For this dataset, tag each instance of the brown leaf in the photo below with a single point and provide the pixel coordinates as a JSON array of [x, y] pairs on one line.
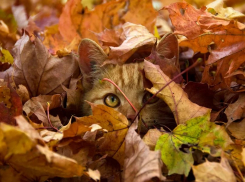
[[236, 110], [10, 104], [75, 20], [140, 163], [104, 16], [40, 72], [38, 106], [29, 155], [200, 94], [166, 55], [8, 174], [141, 12], [111, 37], [151, 137], [225, 58], [23, 93], [184, 18], [115, 124], [108, 167], [53, 39], [212, 171], [237, 129], [177, 100], [137, 38]]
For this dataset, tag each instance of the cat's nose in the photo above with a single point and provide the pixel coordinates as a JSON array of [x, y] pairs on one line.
[[131, 117]]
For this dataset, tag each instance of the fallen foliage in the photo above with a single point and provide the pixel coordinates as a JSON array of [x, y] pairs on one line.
[[195, 64]]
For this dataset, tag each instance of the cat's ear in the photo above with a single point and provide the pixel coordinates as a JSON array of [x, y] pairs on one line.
[[90, 54]]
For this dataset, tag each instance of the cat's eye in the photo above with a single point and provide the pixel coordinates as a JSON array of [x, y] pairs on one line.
[[111, 100], [147, 96]]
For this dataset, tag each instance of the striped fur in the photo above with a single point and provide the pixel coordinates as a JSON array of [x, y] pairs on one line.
[[130, 79]]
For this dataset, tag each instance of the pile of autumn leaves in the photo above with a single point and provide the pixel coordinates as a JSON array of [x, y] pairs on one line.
[[102, 144]]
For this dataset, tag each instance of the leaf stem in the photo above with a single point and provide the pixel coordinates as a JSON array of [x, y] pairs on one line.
[[113, 83], [48, 105]]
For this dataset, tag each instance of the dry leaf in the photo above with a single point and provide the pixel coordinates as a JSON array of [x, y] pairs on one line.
[[221, 12], [237, 129], [141, 12], [184, 18], [236, 110], [94, 174], [213, 171], [137, 38], [151, 137], [112, 121], [31, 156], [40, 72], [140, 163], [38, 106], [177, 100], [10, 104], [166, 55]]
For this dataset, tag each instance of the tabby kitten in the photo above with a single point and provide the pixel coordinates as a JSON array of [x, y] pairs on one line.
[[129, 78]]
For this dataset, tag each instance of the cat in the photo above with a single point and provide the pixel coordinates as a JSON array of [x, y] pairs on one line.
[[129, 78]]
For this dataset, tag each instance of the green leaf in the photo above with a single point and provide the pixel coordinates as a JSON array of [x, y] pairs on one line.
[[7, 57], [214, 140], [197, 133]]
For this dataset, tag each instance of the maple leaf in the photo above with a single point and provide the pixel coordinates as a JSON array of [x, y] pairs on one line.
[[141, 12], [137, 155], [40, 72], [75, 19], [184, 18], [53, 39], [221, 37], [196, 133], [115, 124]]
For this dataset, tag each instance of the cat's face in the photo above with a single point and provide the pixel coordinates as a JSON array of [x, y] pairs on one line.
[[129, 79]]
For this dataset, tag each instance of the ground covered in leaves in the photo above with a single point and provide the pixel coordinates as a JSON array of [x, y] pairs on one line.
[[198, 70]]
